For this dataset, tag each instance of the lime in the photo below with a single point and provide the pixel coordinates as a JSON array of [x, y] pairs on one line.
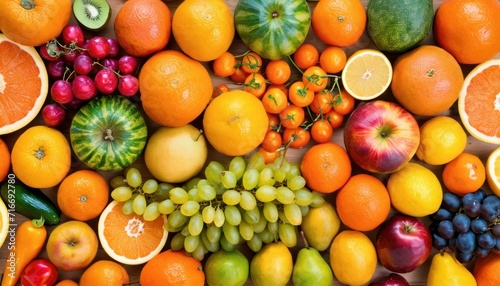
[[226, 268]]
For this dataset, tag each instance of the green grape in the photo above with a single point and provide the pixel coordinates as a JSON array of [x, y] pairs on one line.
[[162, 192], [185, 230], [195, 225], [304, 210], [233, 215], [317, 200], [219, 218], [251, 216], [295, 183], [282, 216], [266, 236], [279, 175], [237, 165], [219, 189], [213, 171], [172, 229], [118, 181], [177, 242], [248, 201], [150, 186], [199, 252], [213, 233], [246, 230], [176, 219], [193, 195], [228, 179], [226, 245], [178, 195], [260, 225], [256, 161], [121, 194], [250, 179], [270, 211], [287, 234], [283, 163], [127, 207], [134, 177], [190, 208], [208, 214], [202, 182], [231, 197], [191, 183], [255, 243], [152, 212], [139, 204], [191, 242], [284, 195], [303, 197], [166, 206], [272, 227], [293, 172], [266, 177], [210, 246], [231, 233], [293, 214], [206, 192], [266, 193]]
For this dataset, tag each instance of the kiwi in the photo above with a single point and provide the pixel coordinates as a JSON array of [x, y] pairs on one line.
[[92, 15]]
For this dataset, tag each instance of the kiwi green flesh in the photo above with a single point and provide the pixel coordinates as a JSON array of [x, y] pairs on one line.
[[92, 15]]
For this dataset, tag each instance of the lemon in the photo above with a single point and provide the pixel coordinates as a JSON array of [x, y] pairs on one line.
[[446, 270], [353, 257], [493, 171], [320, 225], [4, 222], [442, 139], [415, 190], [272, 265]]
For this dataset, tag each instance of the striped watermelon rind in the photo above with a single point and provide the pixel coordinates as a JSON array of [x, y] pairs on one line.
[[89, 133]]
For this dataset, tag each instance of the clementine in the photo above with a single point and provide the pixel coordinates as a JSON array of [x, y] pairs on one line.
[[66, 282], [104, 272], [464, 174], [4, 160], [487, 270]]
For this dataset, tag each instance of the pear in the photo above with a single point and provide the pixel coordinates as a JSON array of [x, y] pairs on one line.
[[446, 270], [272, 265], [320, 225]]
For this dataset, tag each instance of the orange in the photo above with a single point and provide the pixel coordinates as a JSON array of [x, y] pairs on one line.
[[487, 270], [4, 160], [83, 195], [468, 29], [426, 80], [175, 89], [172, 268], [129, 239], [363, 203], [143, 27], [332, 59], [235, 123], [464, 174], [339, 22], [41, 157], [24, 84], [104, 272], [203, 29], [479, 103], [326, 167], [67, 282], [33, 23]]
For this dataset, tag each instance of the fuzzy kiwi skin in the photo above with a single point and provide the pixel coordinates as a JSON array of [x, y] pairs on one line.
[[83, 24]]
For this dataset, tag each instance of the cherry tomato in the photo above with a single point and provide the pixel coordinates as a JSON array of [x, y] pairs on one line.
[[296, 137], [224, 65], [274, 121], [255, 83], [306, 56], [251, 62], [274, 100], [220, 89], [281, 86], [321, 131], [269, 157], [343, 102], [239, 75], [272, 141], [292, 116], [299, 95], [278, 71], [336, 119], [315, 78], [322, 102], [332, 59]]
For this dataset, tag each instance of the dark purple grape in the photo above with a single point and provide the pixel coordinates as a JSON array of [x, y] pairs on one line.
[[497, 245], [490, 209], [83, 87], [471, 203], [466, 242], [443, 214], [464, 257], [461, 222], [56, 69], [439, 242], [83, 64], [481, 194], [445, 229], [486, 240], [452, 244], [480, 252], [61, 91], [495, 230], [451, 202], [106, 81], [478, 225]]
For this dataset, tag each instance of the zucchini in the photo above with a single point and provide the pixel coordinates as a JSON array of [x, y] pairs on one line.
[[29, 202]]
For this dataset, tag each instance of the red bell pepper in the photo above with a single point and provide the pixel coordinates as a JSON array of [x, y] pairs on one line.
[[39, 272]]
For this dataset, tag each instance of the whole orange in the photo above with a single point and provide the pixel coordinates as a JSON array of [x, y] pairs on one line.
[[4, 160], [66, 282], [326, 167], [104, 272], [363, 203], [487, 270], [171, 268], [83, 195], [426, 80], [235, 123], [175, 89], [464, 174], [468, 29], [143, 27], [339, 22]]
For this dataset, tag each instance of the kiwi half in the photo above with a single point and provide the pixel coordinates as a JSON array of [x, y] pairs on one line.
[[92, 15]]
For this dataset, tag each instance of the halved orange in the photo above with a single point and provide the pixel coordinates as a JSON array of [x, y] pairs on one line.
[[129, 239], [24, 85], [493, 171], [479, 102]]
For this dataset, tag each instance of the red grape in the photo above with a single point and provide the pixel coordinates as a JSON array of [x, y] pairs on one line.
[[72, 34], [50, 51], [114, 47], [106, 81], [56, 69], [53, 114], [98, 47], [83, 64], [61, 91], [111, 64], [83, 87], [128, 64], [128, 85]]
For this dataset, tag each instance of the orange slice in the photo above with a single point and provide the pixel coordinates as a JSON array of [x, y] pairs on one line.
[[479, 102], [4, 222], [493, 171], [24, 85], [367, 74], [129, 239]]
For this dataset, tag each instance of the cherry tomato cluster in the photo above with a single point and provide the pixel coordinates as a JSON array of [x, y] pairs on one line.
[[309, 105]]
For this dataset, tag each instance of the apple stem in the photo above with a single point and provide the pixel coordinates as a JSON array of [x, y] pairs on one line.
[[109, 135]]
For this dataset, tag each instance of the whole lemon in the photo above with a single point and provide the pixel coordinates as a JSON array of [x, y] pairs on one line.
[[353, 257], [272, 265], [320, 225], [442, 139], [415, 190]]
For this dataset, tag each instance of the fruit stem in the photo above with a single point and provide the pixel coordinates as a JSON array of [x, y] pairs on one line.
[[39, 154], [304, 238], [295, 65], [28, 4], [38, 222]]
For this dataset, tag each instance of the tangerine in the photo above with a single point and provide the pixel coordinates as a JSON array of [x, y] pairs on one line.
[[487, 270], [104, 272], [4, 160], [464, 174]]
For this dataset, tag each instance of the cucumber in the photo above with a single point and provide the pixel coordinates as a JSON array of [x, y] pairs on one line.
[[29, 202]]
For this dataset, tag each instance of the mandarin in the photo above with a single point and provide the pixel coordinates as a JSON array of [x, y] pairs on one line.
[[104, 272], [464, 174], [487, 270], [4, 160]]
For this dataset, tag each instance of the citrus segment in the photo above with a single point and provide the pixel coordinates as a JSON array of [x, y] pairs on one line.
[[367, 74], [493, 171], [129, 239], [479, 102], [24, 85]]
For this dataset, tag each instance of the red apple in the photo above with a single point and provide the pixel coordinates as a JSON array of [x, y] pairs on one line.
[[392, 279], [403, 243], [381, 136]]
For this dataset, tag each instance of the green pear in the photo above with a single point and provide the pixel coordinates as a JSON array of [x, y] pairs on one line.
[[311, 269], [446, 270]]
